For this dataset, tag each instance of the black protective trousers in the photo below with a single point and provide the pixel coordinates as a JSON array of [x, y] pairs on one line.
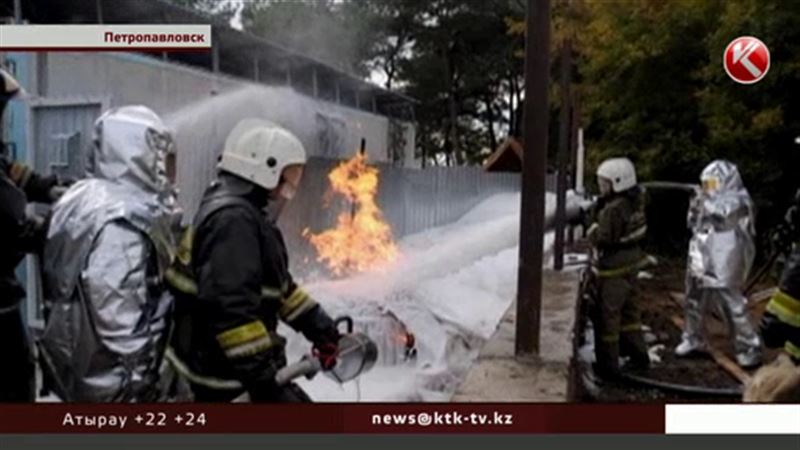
[[291, 393], [617, 325], [17, 376]]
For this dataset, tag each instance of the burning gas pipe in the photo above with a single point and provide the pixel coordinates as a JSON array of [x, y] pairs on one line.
[[361, 239], [404, 339], [361, 151]]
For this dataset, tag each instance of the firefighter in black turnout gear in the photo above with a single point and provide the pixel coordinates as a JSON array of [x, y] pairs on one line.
[[779, 381], [231, 276], [780, 325], [616, 236], [21, 233]]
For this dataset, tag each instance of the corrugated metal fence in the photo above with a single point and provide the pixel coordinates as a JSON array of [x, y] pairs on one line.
[[412, 200]]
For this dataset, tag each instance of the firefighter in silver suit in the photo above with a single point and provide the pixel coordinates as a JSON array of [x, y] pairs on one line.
[[109, 244], [721, 253]]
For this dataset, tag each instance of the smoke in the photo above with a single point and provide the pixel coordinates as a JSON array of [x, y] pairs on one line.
[[338, 33], [201, 128]]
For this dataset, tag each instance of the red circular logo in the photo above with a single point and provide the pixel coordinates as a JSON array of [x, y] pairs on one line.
[[746, 60]]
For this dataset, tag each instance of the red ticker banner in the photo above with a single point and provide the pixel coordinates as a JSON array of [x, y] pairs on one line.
[[332, 418]]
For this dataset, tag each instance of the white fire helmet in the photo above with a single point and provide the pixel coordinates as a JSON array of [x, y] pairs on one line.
[[260, 151], [620, 172]]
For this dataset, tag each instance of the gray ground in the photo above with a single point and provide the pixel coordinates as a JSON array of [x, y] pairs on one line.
[[498, 376]]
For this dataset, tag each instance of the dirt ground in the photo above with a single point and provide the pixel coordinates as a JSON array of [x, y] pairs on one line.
[[660, 300], [499, 376]]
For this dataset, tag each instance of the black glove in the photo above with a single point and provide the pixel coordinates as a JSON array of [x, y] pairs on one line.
[[60, 185], [34, 233], [56, 192], [66, 180], [773, 331], [585, 208], [581, 218], [318, 327], [259, 373]]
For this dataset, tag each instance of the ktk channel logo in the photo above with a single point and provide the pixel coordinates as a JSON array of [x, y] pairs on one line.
[[746, 60]]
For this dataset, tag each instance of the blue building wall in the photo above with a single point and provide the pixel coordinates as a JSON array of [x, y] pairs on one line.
[[19, 64]]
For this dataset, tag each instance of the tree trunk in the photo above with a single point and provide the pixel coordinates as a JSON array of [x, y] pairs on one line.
[[518, 116], [451, 108], [391, 63], [448, 150], [454, 147], [512, 96], [490, 121], [389, 75]]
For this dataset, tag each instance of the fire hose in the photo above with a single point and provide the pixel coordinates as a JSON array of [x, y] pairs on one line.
[[586, 292], [306, 367], [781, 240], [688, 187], [356, 355], [682, 388]]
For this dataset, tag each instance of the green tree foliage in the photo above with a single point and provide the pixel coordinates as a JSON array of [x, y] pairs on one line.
[[462, 67], [648, 74], [655, 90], [640, 60], [756, 125]]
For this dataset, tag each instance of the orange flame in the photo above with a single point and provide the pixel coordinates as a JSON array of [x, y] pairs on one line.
[[361, 240]]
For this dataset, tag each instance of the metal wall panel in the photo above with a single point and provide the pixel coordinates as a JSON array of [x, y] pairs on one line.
[[412, 200], [61, 135], [179, 93]]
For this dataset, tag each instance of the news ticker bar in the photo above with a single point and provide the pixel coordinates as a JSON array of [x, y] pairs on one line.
[[401, 418], [104, 37]]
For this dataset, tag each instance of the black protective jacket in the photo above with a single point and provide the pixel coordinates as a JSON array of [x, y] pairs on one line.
[[780, 325], [620, 226], [232, 288], [20, 234]]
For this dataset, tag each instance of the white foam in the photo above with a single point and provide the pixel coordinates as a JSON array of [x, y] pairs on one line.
[[451, 288]]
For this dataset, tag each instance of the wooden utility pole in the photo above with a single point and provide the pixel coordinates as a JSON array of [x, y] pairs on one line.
[[564, 145], [18, 12], [534, 161]]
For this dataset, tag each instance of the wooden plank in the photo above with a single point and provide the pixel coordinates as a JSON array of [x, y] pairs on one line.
[[761, 296], [720, 358], [713, 309]]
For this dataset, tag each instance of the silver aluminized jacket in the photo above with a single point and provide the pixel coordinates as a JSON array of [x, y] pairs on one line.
[[108, 245], [721, 253], [721, 249]]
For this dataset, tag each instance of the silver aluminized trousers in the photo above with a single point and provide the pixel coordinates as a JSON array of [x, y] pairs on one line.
[[732, 303]]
